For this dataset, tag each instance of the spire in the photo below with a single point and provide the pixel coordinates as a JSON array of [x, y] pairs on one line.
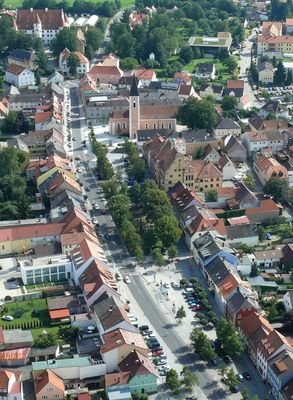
[[133, 88]]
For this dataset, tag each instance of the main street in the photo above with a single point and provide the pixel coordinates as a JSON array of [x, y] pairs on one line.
[[210, 388]]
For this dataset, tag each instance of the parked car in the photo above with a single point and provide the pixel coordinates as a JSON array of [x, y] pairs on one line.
[[240, 377], [247, 375], [127, 279], [156, 353], [175, 285], [213, 362], [7, 318], [234, 389], [227, 359], [14, 286], [11, 279], [268, 236]]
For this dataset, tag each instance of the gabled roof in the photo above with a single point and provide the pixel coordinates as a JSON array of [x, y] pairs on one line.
[[117, 378], [120, 337], [231, 141], [282, 364], [227, 123], [48, 378], [5, 376], [205, 68], [31, 231], [274, 106], [205, 220], [110, 313], [181, 197], [21, 55], [204, 169], [242, 231], [15, 69], [50, 19], [254, 327], [143, 73], [271, 343], [218, 270], [235, 84], [137, 364], [240, 300]]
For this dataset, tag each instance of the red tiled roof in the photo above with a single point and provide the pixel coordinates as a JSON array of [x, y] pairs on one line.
[[30, 231], [116, 379], [235, 84], [50, 19], [16, 354], [119, 337], [15, 69], [48, 377], [58, 314], [144, 73], [43, 116]]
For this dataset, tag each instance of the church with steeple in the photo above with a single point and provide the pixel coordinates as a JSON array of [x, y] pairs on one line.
[[142, 117]]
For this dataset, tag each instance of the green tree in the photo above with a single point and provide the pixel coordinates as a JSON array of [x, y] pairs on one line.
[[45, 340], [167, 230], [44, 67], [186, 54], [173, 381], [66, 38], [229, 338], [253, 72], [280, 74], [172, 251], [229, 103], [136, 169], [135, 193], [128, 64], [231, 64], [110, 188], [289, 78], [181, 313], [202, 345], [261, 234], [73, 63], [250, 182], [9, 211], [10, 163], [155, 204], [119, 206], [232, 379], [277, 187], [93, 37], [245, 394], [189, 379], [157, 256], [131, 239], [199, 153], [197, 114], [211, 195]]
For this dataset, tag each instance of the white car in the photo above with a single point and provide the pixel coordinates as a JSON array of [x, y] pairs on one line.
[[7, 318], [95, 221], [96, 206], [167, 285], [127, 279], [79, 170], [163, 368], [14, 286]]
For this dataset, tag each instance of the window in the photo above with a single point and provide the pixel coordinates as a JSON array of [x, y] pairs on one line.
[[134, 104]]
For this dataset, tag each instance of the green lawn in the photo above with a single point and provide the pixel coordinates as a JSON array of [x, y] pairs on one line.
[[51, 329], [45, 285], [18, 3], [27, 320], [221, 70]]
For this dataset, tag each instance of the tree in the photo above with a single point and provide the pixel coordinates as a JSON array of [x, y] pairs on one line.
[[229, 103], [43, 63], [189, 379], [68, 333], [128, 63], [280, 74], [261, 234], [253, 72], [167, 230], [250, 182], [181, 313], [172, 251], [232, 379], [211, 195], [173, 381], [110, 188], [186, 54], [245, 394], [66, 38], [73, 63], [277, 187], [229, 339], [197, 114], [131, 239], [135, 193], [231, 64], [199, 153], [93, 37], [202, 345], [155, 204], [119, 206], [46, 339], [289, 78], [136, 169], [157, 256]]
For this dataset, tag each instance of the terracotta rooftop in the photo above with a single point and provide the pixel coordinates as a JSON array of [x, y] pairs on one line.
[[120, 337], [116, 379], [43, 116], [46, 378], [137, 364], [144, 73], [50, 19], [59, 314], [15, 69], [235, 84], [30, 231]]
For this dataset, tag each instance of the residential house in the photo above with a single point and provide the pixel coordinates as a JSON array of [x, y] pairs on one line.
[[252, 329], [182, 198], [287, 260], [280, 371], [274, 108], [182, 77], [105, 74], [206, 71], [211, 154], [266, 73], [274, 45], [257, 123], [215, 91], [118, 344], [11, 384], [288, 300], [73, 303], [225, 127], [15, 338], [62, 181], [223, 279], [80, 41], [267, 210], [238, 235], [190, 141], [268, 167], [227, 168], [38, 167], [3, 110], [208, 246], [272, 28], [240, 305], [243, 199], [203, 176], [268, 258], [269, 346], [110, 315], [28, 102], [44, 24], [234, 149], [83, 63], [38, 143], [186, 91], [24, 58], [234, 87], [197, 220], [211, 45], [14, 358], [19, 76], [145, 76], [137, 374], [270, 139], [49, 386]]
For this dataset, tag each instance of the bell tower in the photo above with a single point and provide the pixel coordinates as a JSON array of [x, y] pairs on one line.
[[134, 110]]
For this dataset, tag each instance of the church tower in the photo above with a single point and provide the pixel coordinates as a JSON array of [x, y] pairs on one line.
[[134, 110]]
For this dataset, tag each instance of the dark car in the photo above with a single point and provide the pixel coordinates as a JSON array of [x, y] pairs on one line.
[[18, 314], [213, 362], [228, 359], [234, 389], [11, 279], [154, 345], [144, 328], [247, 375]]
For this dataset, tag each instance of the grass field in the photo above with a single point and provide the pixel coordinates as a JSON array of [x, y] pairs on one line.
[[18, 3], [45, 285], [27, 318], [221, 70]]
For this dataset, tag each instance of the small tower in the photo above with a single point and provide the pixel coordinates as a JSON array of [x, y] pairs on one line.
[[134, 110], [37, 26]]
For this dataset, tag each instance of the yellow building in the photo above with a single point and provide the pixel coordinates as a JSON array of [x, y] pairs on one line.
[[266, 73], [274, 44]]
